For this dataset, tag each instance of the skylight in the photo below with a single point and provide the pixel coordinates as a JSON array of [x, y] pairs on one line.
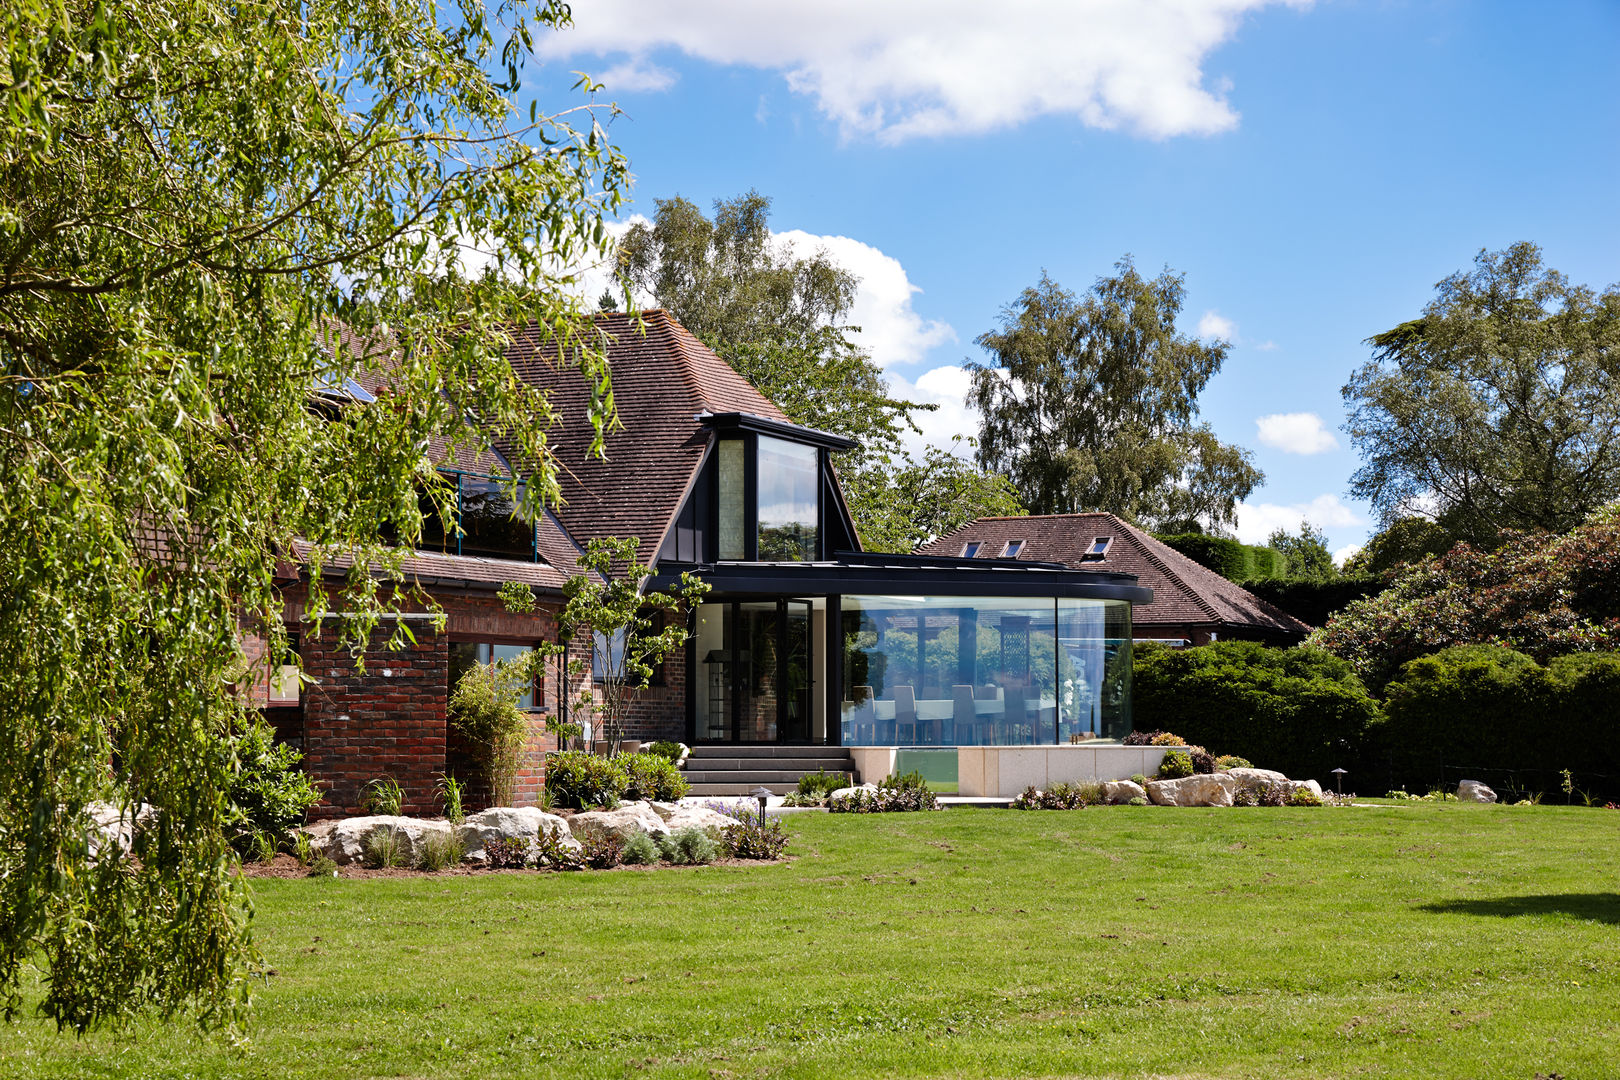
[[971, 549], [1099, 546], [1012, 549]]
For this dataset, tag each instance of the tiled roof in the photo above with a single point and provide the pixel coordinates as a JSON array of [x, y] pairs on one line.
[[1184, 592], [430, 566], [661, 380]]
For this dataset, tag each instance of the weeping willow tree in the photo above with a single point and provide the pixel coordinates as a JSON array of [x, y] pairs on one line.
[[218, 223]]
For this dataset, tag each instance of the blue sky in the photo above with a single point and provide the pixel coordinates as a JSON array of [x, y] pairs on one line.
[[1312, 168]]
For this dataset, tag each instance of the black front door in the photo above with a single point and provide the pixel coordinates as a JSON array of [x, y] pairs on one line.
[[763, 676]]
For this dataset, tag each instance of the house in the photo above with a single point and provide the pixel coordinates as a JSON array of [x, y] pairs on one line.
[[804, 639], [1192, 604]]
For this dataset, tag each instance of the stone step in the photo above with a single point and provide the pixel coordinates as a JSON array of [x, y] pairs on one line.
[[750, 776], [731, 764], [731, 790], [735, 751]]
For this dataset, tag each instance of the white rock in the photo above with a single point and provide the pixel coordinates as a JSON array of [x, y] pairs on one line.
[[109, 825], [626, 821], [665, 810], [1474, 791], [343, 841], [1256, 776], [698, 817], [1200, 789], [1122, 791], [509, 823], [845, 792]]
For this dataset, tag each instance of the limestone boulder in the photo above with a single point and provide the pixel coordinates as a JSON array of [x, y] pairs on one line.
[[343, 841], [113, 826], [624, 822], [699, 817], [1200, 789], [1256, 776], [509, 823], [846, 792], [1120, 792], [1474, 791]]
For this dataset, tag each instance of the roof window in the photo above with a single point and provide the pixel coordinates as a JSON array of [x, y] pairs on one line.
[[970, 549], [1098, 548], [1012, 549]]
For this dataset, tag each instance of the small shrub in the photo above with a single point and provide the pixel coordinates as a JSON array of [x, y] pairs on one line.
[[1146, 738], [652, 776], [1270, 793], [884, 801], [1203, 761], [1304, 796], [261, 847], [1176, 764], [269, 792], [1398, 794], [664, 748], [1138, 779], [793, 798], [449, 790], [303, 849], [503, 854], [322, 867], [822, 783], [439, 851], [1060, 796], [602, 851], [1228, 762], [581, 781], [911, 781], [383, 796], [640, 850], [1246, 795], [751, 840], [552, 852], [690, 847], [381, 849], [1137, 800], [1164, 738]]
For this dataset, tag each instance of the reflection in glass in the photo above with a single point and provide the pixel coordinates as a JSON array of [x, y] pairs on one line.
[[489, 523], [732, 496], [464, 654], [788, 476], [955, 671]]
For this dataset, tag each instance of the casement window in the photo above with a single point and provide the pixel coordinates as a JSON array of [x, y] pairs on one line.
[[464, 654]]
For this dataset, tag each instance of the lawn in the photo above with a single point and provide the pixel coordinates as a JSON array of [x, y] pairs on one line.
[[1428, 940]]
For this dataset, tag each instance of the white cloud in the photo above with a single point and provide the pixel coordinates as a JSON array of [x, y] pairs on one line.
[[1256, 521], [890, 329], [1296, 433], [1216, 325], [906, 68], [1342, 556], [945, 387], [637, 73]]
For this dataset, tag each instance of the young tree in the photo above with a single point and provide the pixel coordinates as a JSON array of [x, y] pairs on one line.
[[1090, 404], [632, 630], [1497, 408], [215, 220]]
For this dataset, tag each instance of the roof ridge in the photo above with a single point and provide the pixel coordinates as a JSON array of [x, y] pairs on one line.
[[666, 324]]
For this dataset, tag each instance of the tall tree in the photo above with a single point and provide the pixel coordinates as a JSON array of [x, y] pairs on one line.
[[1091, 403], [214, 217], [779, 317], [1307, 553], [910, 502], [1497, 408]]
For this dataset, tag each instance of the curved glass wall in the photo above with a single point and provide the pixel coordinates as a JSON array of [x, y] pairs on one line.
[[984, 671]]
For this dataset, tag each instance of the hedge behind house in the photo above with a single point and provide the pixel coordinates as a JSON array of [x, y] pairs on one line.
[[1313, 602], [1492, 714], [1300, 711], [1228, 558]]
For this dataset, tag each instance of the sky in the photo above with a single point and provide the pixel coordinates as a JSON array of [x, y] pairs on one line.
[[1312, 168]]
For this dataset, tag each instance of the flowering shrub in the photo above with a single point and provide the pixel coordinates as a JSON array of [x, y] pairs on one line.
[[884, 801]]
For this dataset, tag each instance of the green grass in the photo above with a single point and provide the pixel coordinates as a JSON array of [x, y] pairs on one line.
[[1430, 940]]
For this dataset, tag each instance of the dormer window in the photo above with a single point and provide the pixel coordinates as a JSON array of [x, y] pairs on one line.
[[1012, 549], [971, 549], [767, 499]]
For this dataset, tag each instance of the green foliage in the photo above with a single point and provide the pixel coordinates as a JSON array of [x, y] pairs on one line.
[[1404, 540], [550, 850], [516, 597], [484, 710], [1494, 708], [689, 847], [1060, 796], [664, 748], [449, 789], [909, 781], [751, 839], [1091, 403], [1228, 558], [579, 780], [383, 796], [652, 776], [1138, 800], [822, 783], [1495, 409], [382, 849], [167, 312], [900, 503], [439, 851], [1304, 796], [1313, 602], [1542, 595], [269, 792], [503, 854], [1175, 765], [885, 800], [1227, 762], [640, 850], [1308, 556], [322, 866], [1302, 711]]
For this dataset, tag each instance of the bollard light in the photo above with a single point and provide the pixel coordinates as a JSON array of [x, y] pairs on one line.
[[1338, 781], [762, 794]]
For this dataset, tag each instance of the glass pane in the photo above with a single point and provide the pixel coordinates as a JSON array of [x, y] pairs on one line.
[[787, 501], [796, 692], [950, 671], [756, 633], [488, 522], [732, 495], [512, 652], [714, 673]]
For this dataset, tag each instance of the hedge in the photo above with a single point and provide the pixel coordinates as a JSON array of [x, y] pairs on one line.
[[1228, 558], [1312, 602], [1300, 711]]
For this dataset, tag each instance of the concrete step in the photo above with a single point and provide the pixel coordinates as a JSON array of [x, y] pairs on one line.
[[751, 777], [736, 751], [731, 790], [735, 764]]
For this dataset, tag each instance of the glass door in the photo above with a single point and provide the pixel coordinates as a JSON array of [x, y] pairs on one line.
[[796, 672], [756, 680], [758, 717]]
